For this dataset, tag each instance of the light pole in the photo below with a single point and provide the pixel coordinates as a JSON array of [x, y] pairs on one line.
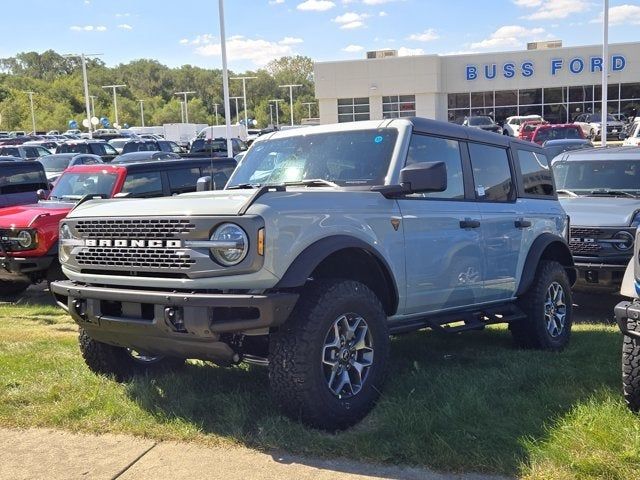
[[181, 111], [115, 101], [93, 105], [270, 113], [85, 82], [225, 77], [308, 104], [290, 87], [605, 74], [186, 108], [216, 107], [236, 99], [244, 94], [33, 113], [141, 111], [276, 101]]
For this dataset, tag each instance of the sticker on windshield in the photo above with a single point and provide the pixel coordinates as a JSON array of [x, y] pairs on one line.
[[378, 139]]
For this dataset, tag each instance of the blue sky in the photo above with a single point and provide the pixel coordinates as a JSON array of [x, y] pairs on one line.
[[177, 33]]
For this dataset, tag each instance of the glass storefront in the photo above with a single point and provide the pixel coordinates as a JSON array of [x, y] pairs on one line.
[[557, 105]]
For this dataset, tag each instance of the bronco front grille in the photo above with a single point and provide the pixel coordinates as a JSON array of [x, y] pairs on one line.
[[134, 257], [578, 248], [586, 232], [147, 228]]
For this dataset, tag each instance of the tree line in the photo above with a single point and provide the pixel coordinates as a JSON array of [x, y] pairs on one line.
[[59, 95]]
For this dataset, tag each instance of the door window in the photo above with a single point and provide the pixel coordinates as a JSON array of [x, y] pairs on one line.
[[148, 184], [183, 180], [424, 148], [109, 150], [491, 173], [536, 174]]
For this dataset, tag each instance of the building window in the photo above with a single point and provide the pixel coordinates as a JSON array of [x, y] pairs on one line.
[[353, 109], [396, 106]]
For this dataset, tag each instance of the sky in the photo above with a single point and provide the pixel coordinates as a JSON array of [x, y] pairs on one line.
[[187, 32]]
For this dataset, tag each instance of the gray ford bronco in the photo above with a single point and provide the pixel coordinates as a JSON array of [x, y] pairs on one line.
[[325, 241]]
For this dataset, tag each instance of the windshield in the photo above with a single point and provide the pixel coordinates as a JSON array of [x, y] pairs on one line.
[[74, 186], [555, 150], [592, 175], [53, 163], [545, 134], [346, 158], [480, 121]]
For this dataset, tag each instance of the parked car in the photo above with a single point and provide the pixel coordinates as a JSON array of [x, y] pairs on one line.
[[8, 158], [94, 147], [151, 145], [24, 152], [556, 147], [325, 241], [119, 143], [512, 124], [145, 156], [57, 163], [29, 233], [20, 182], [48, 144], [591, 124], [483, 123], [547, 132], [600, 190], [216, 147], [633, 138], [527, 128]]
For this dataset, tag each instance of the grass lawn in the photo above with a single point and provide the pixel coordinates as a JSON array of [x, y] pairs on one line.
[[469, 402]]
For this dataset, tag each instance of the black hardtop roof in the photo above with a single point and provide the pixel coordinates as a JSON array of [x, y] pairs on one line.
[[22, 166], [176, 163], [446, 129]]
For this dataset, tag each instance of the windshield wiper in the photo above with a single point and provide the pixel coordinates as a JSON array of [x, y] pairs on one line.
[[243, 186], [613, 193], [313, 182], [567, 192]]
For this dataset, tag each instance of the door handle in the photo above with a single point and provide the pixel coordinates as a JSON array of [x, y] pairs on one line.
[[522, 223], [469, 223]]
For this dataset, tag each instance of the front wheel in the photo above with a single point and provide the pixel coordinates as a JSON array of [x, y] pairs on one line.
[[548, 306], [327, 362], [631, 367], [122, 363]]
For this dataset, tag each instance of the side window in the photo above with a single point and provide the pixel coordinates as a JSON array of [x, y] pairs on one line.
[[183, 180], [98, 149], [42, 151], [148, 184], [31, 152], [219, 174], [424, 148], [491, 173], [175, 148], [109, 149], [536, 173]]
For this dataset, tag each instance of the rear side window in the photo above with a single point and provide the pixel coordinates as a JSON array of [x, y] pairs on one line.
[[424, 148], [536, 173], [491, 173], [21, 181], [109, 149], [183, 180], [148, 184]]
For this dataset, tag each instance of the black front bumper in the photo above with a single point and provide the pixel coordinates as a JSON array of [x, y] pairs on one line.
[[625, 311], [187, 325], [603, 272], [24, 268]]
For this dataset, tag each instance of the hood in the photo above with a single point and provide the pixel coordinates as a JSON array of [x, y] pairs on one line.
[[33, 215], [609, 124], [600, 211]]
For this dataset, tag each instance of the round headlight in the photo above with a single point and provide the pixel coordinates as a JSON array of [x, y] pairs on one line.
[[233, 244], [625, 241], [25, 239]]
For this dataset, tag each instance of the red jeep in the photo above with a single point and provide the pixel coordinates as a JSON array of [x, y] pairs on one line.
[[29, 233]]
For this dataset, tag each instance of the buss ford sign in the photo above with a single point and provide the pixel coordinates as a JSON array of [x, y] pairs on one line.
[[527, 68]]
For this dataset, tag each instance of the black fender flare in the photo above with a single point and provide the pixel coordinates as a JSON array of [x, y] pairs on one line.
[[539, 246], [303, 266]]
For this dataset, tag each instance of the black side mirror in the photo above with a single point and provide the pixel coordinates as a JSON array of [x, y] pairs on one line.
[[424, 177], [41, 194]]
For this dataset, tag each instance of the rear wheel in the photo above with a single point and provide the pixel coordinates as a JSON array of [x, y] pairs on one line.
[[121, 362], [327, 362], [631, 367]]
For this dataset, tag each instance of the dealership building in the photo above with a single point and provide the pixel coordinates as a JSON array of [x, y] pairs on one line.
[[556, 82]]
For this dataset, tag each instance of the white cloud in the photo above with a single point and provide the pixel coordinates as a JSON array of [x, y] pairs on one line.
[[88, 28], [316, 5], [353, 48], [350, 20], [554, 9], [622, 15], [382, 14], [509, 36], [407, 52], [377, 2], [101, 28], [426, 36], [125, 26], [258, 51], [276, 2], [122, 15]]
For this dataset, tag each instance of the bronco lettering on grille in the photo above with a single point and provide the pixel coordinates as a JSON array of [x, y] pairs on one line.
[[106, 242]]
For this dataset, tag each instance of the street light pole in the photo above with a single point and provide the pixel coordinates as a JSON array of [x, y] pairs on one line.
[[244, 94], [290, 87], [236, 99], [276, 101], [216, 107], [225, 77], [93, 105], [308, 104], [270, 113], [115, 100], [141, 111], [605, 74], [85, 83], [186, 111], [33, 114]]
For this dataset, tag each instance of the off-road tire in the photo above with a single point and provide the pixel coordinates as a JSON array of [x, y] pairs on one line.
[[631, 367], [12, 289], [532, 332], [118, 362], [297, 380]]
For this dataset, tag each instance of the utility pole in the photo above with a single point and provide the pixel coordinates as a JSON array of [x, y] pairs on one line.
[[225, 77], [244, 94], [141, 111], [276, 101], [186, 108], [604, 110], [216, 107], [290, 87], [85, 83], [33, 114], [270, 113], [181, 111], [308, 104], [236, 99], [93, 105], [115, 102]]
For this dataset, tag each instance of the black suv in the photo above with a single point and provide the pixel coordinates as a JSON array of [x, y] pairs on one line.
[[216, 147], [151, 146], [95, 147], [20, 181]]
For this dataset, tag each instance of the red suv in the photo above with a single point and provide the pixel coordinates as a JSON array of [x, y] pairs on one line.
[[29, 233], [527, 129], [556, 132]]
